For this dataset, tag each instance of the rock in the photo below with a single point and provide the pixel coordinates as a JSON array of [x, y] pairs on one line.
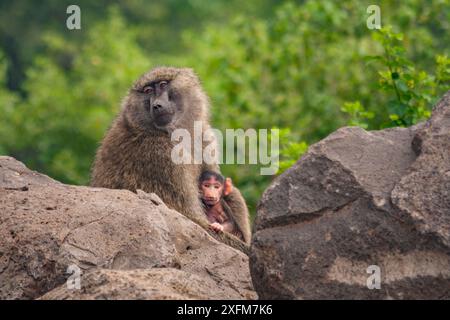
[[355, 200], [424, 193], [47, 226], [139, 284]]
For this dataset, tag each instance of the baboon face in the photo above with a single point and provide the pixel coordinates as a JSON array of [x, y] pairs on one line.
[[211, 191], [160, 107], [156, 105], [166, 98]]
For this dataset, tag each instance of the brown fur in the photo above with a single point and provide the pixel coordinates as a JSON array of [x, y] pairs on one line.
[[136, 155]]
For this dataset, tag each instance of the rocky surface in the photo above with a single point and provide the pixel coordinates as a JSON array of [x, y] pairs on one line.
[[357, 199], [127, 246], [424, 193], [139, 284]]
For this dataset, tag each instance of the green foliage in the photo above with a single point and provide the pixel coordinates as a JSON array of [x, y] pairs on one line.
[[158, 24], [358, 115], [290, 150], [412, 91], [411, 103], [8, 101], [442, 69]]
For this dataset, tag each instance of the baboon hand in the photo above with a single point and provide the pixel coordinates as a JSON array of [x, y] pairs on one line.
[[216, 227]]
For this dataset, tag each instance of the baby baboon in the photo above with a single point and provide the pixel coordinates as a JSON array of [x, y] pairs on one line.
[[213, 188], [136, 151]]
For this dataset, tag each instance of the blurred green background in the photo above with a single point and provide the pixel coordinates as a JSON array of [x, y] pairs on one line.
[[305, 67]]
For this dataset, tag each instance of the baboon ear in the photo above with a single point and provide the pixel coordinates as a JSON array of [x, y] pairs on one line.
[[228, 187]]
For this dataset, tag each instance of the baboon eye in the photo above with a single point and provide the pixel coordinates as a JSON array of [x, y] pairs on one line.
[[148, 89], [163, 84]]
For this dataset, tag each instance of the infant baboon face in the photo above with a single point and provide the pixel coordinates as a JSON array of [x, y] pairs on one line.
[[158, 103], [211, 191]]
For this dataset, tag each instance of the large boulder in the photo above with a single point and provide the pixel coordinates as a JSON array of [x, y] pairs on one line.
[[358, 205], [131, 240], [139, 284]]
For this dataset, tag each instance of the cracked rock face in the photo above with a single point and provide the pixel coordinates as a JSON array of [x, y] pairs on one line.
[[355, 200], [120, 241]]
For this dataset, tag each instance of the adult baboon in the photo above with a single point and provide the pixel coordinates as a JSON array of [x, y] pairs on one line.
[[136, 151]]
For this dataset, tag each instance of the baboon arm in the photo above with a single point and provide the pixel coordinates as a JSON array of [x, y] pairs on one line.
[[239, 212]]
